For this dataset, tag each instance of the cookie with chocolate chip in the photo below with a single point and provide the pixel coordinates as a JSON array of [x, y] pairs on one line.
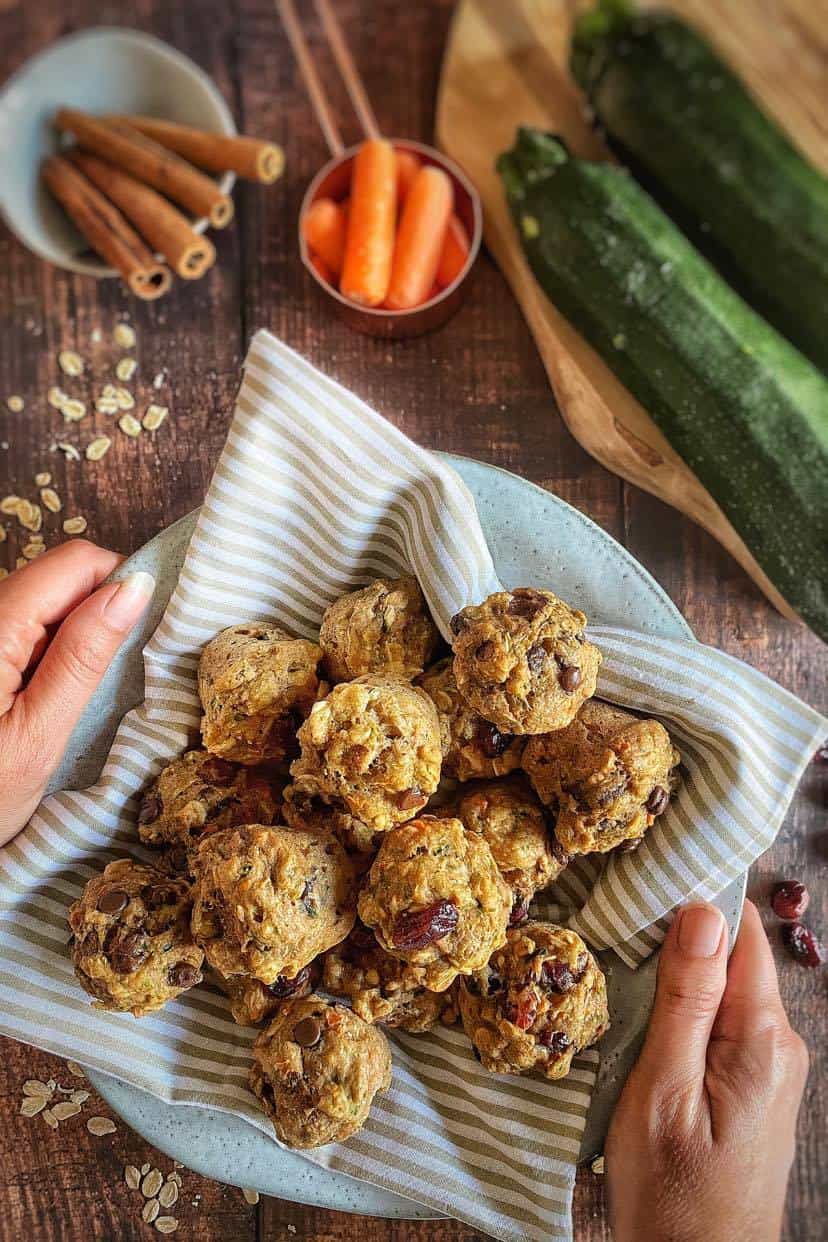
[[539, 1000], [522, 660], [383, 628], [606, 777], [473, 748], [268, 900], [257, 684], [316, 1070], [132, 948], [371, 751], [434, 898]]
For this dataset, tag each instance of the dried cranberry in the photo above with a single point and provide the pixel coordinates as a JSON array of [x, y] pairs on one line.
[[150, 808], [90, 943], [415, 929], [522, 1011], [555, 1041], [113, 901], [218, 772], [790, 900], [556, 977], [283, 986], [802, 944], [658, 801], [526, 603], [492, 742], [569, 677], [183, 975], [536, 658], [520, 911]]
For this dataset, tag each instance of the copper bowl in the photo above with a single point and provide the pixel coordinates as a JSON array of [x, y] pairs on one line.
[[333, 181]]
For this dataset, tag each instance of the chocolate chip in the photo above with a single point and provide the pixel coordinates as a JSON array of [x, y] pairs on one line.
[[658, 801], [307, 1032], [410, 799], [90, 944], [183, 975], [283, 986], [150, 808], [569, 678], [113, 901], [127, 952], [492, 742], [526, 603], [457, 623], [536, 658], [485, 651]]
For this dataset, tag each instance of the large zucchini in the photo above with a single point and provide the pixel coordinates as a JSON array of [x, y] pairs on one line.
[[694, 137], [744, 409]]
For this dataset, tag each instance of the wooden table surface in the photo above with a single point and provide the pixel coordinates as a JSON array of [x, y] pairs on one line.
[[477, 387]]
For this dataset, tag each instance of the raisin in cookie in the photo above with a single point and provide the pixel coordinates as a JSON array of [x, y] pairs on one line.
[[370, 751], [435, 898], [384, 628], [380, 988], [316, 1070], [540, 999], [253, 1002], [607, 776], [511, 819], [267, 901], [257, 685], [472, 746], [521, 660], [132, 949], [199, 793]]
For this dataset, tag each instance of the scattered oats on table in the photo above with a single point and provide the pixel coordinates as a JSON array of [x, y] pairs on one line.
[[50, 1119], [75, 525], [31, 1105], [69, 451], [98, 448], [70, 363], [125, 399], [150, 1210], [33, 550], [125, 369], [30, 516], [129, 425], [251, 1196], [154, 417], [168, 1194], [10, 504], [65, 1109], [42, 478], [50, 499], [75, 1070], [73, 410], [166, 1224], [124, 336], [57, 397], [100, 1126], [2, 534], [106, 405], [132, 1177], [15, 403], [152, 1183]]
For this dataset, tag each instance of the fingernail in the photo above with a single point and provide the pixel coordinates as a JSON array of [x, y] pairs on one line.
[[130, 600], [700, 930]]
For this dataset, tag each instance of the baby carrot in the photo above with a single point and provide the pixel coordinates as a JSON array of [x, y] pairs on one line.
[[420, 238], [408, 165], [323, 228], [372, 216], [455, 253]]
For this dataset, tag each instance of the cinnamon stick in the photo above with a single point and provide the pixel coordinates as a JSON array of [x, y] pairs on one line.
[[251, 158], [106, 229], [147, 161], [163, 225]]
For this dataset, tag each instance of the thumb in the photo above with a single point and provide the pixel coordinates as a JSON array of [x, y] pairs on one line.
[[76, 660], [692, 973]]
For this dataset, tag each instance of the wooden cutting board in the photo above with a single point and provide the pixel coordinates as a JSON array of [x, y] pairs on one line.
[[505, 66]]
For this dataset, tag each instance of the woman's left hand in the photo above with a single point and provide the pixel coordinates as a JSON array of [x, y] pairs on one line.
[[59, 630]]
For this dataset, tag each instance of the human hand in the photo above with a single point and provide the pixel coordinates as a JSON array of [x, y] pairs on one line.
[[702, 1140], [58, 635]]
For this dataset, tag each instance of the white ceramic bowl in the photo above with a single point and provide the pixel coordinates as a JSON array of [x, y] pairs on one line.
[[104, 69]]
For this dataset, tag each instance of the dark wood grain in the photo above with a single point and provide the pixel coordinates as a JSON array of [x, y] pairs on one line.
[[477, 388]]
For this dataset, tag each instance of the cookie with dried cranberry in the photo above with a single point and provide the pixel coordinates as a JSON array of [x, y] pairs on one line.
[[472, 747], [509, 816], [379, 987], [383, 628], [268, 900], [257, 684], [316, 1070], [370, 750], [541, 998], [434, 898], [522, 660], [253, 1002], [132, 948], [199, 793], [607, 776]]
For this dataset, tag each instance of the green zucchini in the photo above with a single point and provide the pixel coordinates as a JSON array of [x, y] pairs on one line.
[[744, 409], [695, 138]]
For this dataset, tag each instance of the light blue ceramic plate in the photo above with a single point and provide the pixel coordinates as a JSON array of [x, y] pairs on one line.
[[534, 538], [104, 69]]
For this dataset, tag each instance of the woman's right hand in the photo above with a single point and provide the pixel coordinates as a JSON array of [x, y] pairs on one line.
[[702, 1140]]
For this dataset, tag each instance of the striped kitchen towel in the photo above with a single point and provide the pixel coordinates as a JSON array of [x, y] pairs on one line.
[[314, 494]]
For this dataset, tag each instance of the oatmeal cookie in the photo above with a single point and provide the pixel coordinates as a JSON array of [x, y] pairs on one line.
[[511, 819], [384, 628], [521, 660], [316, 1070], [380, 988], [257, 684], [435, 898], [370, 750], [268, 900], [132, 949], [540, 999], [198, 794], [607, 776], [472, 746], [253, 1002]]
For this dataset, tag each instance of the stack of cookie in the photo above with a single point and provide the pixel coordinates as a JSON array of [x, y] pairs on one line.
[[314, 849]]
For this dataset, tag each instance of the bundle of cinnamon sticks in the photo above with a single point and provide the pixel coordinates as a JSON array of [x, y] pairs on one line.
[[128, 181]]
